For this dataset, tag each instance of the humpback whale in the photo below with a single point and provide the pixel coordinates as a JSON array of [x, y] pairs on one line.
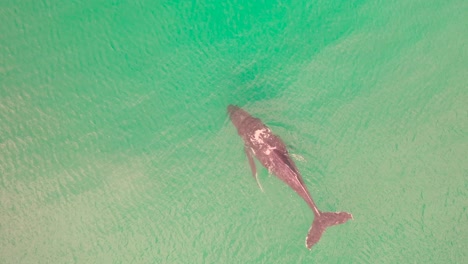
[[270, 150]]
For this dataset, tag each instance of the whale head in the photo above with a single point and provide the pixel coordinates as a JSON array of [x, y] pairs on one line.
[[237, 115]]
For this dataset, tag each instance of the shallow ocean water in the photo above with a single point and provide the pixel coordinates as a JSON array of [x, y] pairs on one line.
[[115, 145]]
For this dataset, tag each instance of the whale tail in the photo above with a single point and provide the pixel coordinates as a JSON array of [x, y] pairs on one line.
[[321, 222]]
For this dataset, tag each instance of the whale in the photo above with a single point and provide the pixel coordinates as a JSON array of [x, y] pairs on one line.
[[271, 152]]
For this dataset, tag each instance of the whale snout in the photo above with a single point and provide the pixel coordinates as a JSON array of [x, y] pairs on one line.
[[237, 115], [232, 108]]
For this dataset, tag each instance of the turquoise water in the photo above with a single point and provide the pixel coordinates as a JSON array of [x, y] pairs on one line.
[[115, 145]]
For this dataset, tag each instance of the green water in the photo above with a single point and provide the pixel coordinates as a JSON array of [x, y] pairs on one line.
[[115, 145]]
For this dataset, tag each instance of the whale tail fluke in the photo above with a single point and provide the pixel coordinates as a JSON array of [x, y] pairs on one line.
[[320, 224]]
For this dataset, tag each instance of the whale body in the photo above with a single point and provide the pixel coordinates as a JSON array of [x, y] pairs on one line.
[[270, 150]]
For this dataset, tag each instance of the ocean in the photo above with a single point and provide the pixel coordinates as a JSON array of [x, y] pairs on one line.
[[116, 147]]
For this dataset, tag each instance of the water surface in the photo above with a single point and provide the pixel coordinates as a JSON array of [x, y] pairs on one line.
[[115, 145]]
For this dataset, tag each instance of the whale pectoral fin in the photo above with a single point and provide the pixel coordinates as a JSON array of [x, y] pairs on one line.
[[248, 152]]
